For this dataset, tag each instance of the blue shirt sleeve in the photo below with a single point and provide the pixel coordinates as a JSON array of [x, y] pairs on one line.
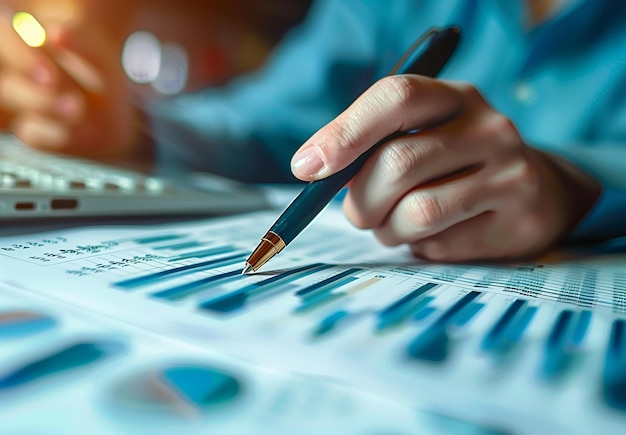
[[606, 220], [250, 129]]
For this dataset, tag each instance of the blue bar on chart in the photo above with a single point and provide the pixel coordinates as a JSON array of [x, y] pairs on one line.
[[614, 374], [400, 310], [20, 323], [557, 354], [424, 312], [517, 327], [331, 322], [433, 343], [467, 314], [322, 299], [324, 285], [580, 329], [238, 299], [321, 293], [159, 239], [179, 246], [449, 316], [186, 290], [323, 296], [494, 339], [203, 253], [68, 358], [163, 275]]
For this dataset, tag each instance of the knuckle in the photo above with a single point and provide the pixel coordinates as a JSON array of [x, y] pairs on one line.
[[424, 210], [402, 91], [470, 91], [399, 159], [340, 135], [502, 131]]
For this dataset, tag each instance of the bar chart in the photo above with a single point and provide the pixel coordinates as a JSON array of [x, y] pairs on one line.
[[361, 312]]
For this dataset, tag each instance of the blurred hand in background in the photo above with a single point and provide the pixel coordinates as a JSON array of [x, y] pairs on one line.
[[74, 94]]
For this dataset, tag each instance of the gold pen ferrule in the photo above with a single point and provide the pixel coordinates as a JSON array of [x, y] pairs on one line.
[[270, 245]]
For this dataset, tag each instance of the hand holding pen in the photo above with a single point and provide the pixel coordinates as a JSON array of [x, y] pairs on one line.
[[427, 56], [430, 164]]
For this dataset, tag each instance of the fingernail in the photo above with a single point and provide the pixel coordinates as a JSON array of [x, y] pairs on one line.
[[307, 163]]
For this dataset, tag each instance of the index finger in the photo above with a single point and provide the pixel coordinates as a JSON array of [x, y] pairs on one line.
[[393, 104]]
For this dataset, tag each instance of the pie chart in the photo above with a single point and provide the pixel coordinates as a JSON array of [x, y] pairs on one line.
[[21, 323], [180, 390]]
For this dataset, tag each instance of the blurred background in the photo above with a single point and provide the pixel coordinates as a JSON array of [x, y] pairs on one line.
[[184, 45]]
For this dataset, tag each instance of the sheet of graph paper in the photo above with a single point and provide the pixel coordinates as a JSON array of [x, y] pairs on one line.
[[526, 347]]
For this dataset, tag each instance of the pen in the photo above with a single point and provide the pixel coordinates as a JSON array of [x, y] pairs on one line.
[[427, 56]]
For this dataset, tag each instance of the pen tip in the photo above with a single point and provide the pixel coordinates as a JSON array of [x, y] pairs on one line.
[[247, 269]]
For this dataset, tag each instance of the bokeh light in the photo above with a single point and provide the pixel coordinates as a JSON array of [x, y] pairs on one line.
[[165, 66], [174, 71], [141, 57], [29, 29]]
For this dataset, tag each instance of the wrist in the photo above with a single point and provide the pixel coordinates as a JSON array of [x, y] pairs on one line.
[[576, 191]]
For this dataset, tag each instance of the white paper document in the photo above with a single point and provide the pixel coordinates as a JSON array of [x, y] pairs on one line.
[[336, 329]]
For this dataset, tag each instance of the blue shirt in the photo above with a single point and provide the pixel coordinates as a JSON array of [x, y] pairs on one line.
[[562, 82]]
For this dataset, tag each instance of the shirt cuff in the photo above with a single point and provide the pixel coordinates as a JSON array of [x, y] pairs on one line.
[[606, 220]]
